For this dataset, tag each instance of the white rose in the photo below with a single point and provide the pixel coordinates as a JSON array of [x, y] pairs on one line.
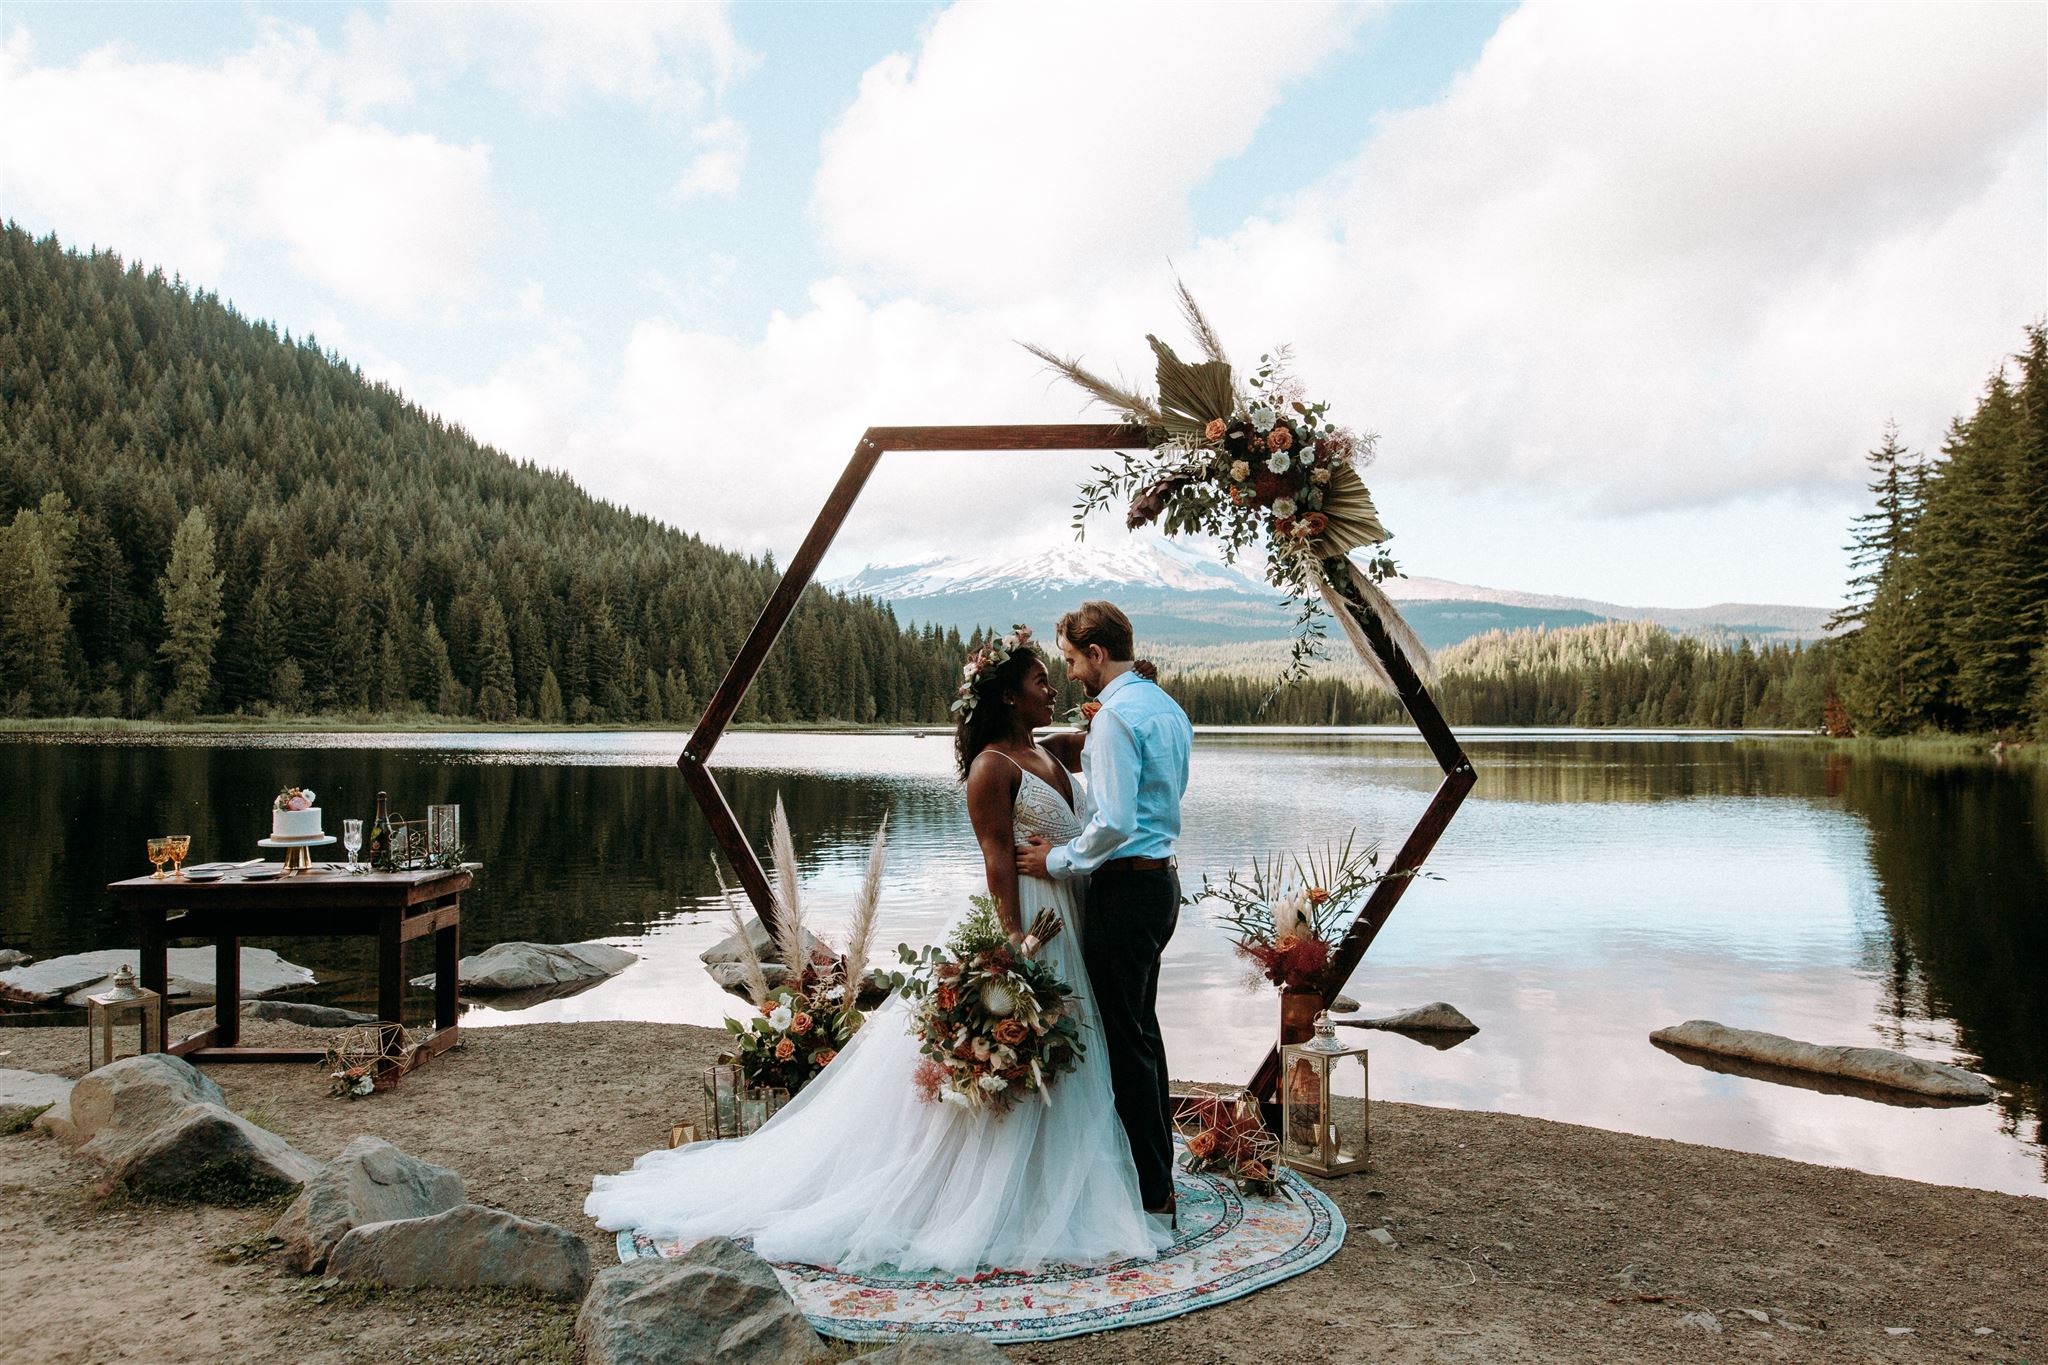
[[1308, 456], [779, 1020], [1281, 462], [1262, 417], [1284, 508]]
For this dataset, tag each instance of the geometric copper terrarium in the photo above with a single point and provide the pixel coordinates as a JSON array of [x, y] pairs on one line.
[[874, 443]]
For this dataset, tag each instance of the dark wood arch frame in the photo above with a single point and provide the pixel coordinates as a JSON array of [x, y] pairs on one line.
[[877, 441]]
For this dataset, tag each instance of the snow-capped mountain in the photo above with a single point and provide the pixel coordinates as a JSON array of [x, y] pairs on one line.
[[1182, 598]]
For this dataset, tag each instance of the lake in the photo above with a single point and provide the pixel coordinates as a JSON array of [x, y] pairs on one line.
[[1596, 886]]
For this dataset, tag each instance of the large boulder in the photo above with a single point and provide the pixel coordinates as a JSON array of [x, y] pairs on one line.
[[537, 966], [716, 1304], [135, 1094], [954, 1348], [161, 1128], [309, 1015], [1435, 1017], [204, 1153], [467, 1247], [71, 978], [1871, 1065], [370, 1182], [727, 949], [26, 1094]]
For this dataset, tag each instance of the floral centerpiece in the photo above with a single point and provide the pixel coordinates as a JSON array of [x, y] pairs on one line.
[[1287, 914], [997, 1025], [799, 1025], [1259, 467]]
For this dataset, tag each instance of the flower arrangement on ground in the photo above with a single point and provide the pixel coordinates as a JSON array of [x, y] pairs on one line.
[[1225, 1136], [997, 1025], [1260, 468], [1288, 913], [800, 1024]]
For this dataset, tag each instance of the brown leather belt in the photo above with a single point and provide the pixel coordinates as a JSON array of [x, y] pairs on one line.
[[1137, 864]]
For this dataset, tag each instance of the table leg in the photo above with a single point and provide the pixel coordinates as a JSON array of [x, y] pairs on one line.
[[447, 976], [154, 967], [390, 970], [227, 991]]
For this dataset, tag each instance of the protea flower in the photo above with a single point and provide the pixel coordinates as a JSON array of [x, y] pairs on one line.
[[998, 999]]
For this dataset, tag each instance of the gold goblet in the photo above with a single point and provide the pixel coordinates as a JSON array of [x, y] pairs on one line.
[[180, 845], [159, 854]]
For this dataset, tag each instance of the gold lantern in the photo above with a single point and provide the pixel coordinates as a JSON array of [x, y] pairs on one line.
[[113, 1007], [1311, 1140]]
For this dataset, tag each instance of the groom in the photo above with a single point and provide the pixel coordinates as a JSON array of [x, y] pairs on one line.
[[1136, 762]]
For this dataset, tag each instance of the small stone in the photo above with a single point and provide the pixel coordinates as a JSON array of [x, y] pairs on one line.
[[715, 1304], [1980, 1331], [1898, 1331], [370, 1182], [1754, 1314], [1704, 1321], [1381, 1235], [26, 1094], [467, 1247], [13, 957]]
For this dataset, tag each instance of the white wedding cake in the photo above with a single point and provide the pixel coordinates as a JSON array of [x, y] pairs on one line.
[[294, 816]]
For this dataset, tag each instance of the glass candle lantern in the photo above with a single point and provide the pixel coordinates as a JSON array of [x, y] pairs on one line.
[[113, 1009], [759, 1104], [1311, 1139], [444, 835], [723, 1086]]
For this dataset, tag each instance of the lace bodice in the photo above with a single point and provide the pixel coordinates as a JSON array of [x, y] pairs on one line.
[[1042, 811]]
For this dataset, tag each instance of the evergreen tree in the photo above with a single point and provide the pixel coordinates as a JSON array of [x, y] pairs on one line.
[[549, 707], [35, 625], [190, 587], [495, 688]]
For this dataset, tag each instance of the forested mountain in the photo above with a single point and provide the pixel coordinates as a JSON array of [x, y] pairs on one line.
[[1614, 673], [198, 514], [1950, 603]]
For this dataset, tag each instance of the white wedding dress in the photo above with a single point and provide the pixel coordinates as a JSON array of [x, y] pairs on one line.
[[858, 1172]]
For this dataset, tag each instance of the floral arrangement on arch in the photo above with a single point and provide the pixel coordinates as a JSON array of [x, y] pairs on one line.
[[800, 1024], [1259, 467], [996, 1024], [1287, 913]]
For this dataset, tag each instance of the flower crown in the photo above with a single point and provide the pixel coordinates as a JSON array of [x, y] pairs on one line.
[[992, 655]]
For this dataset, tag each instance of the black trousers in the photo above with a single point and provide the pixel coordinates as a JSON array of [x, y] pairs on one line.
[[1131, 915]]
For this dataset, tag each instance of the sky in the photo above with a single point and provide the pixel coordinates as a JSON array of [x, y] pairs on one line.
[[1625, 290]]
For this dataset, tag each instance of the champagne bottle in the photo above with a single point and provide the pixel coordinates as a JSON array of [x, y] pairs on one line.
[[378, 846]]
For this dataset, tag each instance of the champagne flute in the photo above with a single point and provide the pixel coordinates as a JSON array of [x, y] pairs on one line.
[[352, 840], [180, 845], [159, 854]]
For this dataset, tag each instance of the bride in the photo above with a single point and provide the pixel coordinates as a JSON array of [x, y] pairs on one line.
[[857, 1171]]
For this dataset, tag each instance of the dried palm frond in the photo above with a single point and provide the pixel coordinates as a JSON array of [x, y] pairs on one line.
[[1128, 402], [1354, 521], [789, 915], [1190, 396], [1198, 324], [750, 961], [866, 911]]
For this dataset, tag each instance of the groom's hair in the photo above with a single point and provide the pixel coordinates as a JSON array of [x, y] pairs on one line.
[[1098, 623]]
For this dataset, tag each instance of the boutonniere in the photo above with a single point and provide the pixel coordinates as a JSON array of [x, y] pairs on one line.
[[1083, 715]]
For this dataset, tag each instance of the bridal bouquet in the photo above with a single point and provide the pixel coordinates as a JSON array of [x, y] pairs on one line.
[[996, 1024], [1287, 915]]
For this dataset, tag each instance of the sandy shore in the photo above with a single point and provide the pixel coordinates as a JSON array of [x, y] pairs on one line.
[[1515, 1238]]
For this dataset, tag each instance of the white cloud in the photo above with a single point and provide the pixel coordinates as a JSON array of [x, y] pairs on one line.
[[1048, 146], [714, 170], [182, 165]]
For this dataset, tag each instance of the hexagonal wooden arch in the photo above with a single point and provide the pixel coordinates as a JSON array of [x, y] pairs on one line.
[[874, 443]]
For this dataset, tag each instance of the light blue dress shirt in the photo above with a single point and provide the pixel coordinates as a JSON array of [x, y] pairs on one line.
[[1136, 763]]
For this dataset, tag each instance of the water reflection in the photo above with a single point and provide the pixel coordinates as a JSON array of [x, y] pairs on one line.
[[1595, 888]]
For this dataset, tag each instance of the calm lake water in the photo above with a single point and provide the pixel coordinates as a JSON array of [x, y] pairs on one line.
[[1595, 887]]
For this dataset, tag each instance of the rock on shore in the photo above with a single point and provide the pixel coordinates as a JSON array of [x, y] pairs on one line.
[[1872, 1065], [716, 1304], [1436, 1017], [467, 1247], [71, 978], [537, 966], [160, 1127], [370, 1182]]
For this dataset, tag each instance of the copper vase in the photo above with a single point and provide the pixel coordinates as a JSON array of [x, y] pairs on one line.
[[1298, 1011]]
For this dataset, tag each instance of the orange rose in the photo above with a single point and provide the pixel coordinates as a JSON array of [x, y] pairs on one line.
[[1011, 1032], [947, 998], [1201, 1144], [1255, 1170], [1317, 896], [1287, 943], [1279, 438], [800, 1024], [785, 1050], [1214, 431], [825, 1058]]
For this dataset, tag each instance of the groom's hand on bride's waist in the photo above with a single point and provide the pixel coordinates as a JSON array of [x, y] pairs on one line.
[[1031, 857]]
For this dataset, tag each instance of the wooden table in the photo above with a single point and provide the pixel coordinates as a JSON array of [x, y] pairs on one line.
[[391, 907]]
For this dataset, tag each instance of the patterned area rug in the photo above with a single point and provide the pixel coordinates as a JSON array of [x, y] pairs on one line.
[[1229, 1245]]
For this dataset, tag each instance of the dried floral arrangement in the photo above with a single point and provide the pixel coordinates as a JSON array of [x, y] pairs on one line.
[[1259, 467], [1287, 913]]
